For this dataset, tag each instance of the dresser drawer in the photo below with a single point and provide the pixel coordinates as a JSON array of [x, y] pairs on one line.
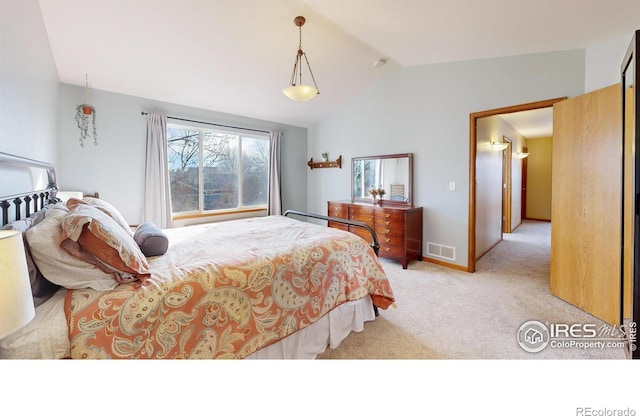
[[391, 251], [389, 223], [361, 210], [389, 215], [362, 214], [391, 229], [367, 219], [339, 210], [391, 240], [399, 229]]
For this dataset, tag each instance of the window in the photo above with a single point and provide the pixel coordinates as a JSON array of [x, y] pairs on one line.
[[216, 170]]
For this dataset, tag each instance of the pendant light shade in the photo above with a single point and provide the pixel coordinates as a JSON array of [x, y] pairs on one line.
[[300, 92], [297, 91]]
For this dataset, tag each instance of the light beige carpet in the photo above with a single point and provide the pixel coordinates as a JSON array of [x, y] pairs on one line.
[[450, 314]]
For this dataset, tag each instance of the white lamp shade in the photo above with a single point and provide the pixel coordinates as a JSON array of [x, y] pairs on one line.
[[16, 301], [66, 195], [497, 146], [300, 92]]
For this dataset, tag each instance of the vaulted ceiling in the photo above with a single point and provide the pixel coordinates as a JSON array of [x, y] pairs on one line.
[[236, 56]]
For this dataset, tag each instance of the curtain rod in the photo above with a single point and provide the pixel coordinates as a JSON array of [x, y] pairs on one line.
[[211, 124]]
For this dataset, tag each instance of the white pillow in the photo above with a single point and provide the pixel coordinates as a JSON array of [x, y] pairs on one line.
[[58, 266], [103, 206]]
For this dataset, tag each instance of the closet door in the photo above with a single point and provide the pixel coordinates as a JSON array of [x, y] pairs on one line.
[[586, 202]]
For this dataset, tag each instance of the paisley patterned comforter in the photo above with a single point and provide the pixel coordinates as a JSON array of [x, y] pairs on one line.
[[226, 290]]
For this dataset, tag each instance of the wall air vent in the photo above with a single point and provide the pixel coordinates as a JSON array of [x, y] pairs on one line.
[[441, 251]]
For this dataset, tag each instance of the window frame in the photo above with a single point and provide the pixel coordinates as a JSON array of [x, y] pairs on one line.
[[241, 210]]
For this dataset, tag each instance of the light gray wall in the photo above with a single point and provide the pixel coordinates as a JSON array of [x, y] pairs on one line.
[[489, 181], [425, 110], [115, 167], [29, 83], [602, 62]]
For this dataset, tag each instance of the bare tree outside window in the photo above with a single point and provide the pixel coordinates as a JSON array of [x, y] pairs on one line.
[[220, 171], [213, 170], [184, 162], [255, 171]]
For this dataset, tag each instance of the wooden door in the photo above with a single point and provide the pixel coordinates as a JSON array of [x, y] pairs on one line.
[[523, 187], [507, 154], [630, 213], [586, 202]]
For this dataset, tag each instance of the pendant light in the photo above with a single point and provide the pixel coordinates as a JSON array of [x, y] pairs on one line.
[[296, 90]]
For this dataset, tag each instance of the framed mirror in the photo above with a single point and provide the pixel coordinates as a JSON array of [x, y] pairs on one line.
[[393, 173]]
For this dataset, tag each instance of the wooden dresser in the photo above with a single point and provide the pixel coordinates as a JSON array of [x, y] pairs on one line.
[[399, 228]]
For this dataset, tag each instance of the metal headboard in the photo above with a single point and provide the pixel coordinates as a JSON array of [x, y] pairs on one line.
[[39, 197]]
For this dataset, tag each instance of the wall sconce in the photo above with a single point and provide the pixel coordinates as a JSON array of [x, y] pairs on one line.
[[16, 301], [499, 146], [522, 155]]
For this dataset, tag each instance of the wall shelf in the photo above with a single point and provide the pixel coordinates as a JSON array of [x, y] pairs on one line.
[[329, 164]]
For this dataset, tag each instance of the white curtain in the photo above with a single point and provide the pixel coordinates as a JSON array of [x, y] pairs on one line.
[[274, 196], [157, 195]]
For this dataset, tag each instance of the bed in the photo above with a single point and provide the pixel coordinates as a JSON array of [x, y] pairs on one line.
[[266, 287]]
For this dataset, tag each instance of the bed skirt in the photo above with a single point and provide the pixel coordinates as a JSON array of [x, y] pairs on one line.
[[46, 336], [329, 331]]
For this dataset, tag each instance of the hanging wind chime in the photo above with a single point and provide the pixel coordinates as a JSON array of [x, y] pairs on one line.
[[85, 115]]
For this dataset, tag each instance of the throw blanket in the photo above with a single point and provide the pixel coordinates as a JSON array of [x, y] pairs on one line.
[[226, 290]]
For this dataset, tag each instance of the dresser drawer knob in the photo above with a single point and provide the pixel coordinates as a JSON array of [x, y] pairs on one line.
[[387, 240], [387, 222]]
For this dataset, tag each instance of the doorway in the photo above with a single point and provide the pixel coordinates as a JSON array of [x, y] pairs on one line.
[[523, 187], [473, 154], [506, 186]]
